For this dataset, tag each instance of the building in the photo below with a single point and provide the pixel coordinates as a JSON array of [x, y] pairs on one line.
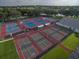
[[72, 24]]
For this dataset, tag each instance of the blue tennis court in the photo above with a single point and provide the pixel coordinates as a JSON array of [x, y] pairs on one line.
[[29, 24], [44, 18], [49, 19], [12, 28], [41, 21]]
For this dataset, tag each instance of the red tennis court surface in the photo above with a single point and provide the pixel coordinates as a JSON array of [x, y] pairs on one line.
[[34, 43], [3, 31], [10, 28], [14, 27]]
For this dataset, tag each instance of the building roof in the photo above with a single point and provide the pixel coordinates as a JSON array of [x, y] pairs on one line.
[[72, 23]]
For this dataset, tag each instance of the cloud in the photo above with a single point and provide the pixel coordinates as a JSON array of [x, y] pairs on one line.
[[39, 2], [67, 2], [59, 2]]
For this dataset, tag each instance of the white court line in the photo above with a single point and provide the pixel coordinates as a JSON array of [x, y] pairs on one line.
[[6, 40]]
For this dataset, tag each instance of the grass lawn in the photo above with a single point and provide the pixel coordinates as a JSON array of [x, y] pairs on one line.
[[58, 53], [8, 51], [72, 42]]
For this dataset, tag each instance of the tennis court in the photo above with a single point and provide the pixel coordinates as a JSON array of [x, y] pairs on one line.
[[29, 47], [26, 48], [41, 21], [48, 19], [35, 22], [9, 28], [60, 29], [3, 30], [29, 24], [21, 25], [55, 27], [12, 27], [40, 40], [31, 44], [31, 20], [34, 43], [55, 34]]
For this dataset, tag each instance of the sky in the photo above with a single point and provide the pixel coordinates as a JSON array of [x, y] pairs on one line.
[[39, 2]]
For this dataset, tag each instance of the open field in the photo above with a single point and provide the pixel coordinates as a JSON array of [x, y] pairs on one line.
[[72, 42], [8, 51], [58, 53]]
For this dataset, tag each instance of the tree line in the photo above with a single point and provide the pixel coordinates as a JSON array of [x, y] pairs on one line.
[[9, 12]]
